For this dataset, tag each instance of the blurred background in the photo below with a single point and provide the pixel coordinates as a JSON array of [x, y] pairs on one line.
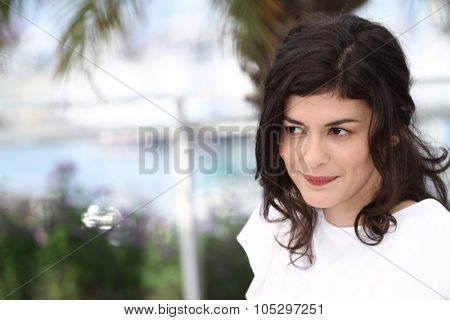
[[83, 83]]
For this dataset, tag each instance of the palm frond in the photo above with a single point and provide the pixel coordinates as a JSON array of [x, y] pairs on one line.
[[93, 25], [8, 34], [253, 26]]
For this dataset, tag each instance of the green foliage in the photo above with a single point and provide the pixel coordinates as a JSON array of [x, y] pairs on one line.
[[93, 24], [227, 273], [99, 270], [46, 252], [163, 280], [17, 252], [39, 249]]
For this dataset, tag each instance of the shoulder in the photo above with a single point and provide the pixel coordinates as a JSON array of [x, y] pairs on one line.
[[258, 236], [439, 216], [258, 239], [434, 205], [426, 220], [426, 210], [256, 223], [257, 214], [433, 211], [426, 241]]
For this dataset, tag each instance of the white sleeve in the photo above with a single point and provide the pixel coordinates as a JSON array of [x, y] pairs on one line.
[[258, 240]]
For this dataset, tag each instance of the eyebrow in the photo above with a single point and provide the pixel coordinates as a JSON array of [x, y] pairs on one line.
[[330, 124]]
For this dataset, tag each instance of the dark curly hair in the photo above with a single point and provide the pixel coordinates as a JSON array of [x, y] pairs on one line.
[[352, 58]]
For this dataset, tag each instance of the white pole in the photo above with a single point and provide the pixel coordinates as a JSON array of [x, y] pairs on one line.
[[185, 221]]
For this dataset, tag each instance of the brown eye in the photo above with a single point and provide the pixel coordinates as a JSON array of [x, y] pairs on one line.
[[340, 132], [293, 130]]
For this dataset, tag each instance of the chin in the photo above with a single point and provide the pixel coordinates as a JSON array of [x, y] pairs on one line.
[[317, 202]]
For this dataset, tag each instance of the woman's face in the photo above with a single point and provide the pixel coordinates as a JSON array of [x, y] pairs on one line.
[[327, 137]]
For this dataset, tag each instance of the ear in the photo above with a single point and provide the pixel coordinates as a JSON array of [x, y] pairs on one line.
[[395, 140]]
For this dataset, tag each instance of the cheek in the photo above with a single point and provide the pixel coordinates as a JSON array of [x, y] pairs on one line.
[[354, 158]]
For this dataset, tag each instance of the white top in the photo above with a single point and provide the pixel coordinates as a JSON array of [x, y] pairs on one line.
[[412, 261]]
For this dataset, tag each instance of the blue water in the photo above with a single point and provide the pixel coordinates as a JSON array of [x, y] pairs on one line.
[[27, 170]]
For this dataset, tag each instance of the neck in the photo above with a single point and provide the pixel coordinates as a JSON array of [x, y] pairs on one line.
[[344, 214]]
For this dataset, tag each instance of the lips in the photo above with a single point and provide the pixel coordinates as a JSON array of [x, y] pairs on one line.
[[319, 181]]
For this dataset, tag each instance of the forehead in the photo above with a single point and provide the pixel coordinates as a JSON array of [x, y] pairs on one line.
[[325, 107]]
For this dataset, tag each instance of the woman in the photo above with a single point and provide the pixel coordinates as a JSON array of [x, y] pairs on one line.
[[347, 209]]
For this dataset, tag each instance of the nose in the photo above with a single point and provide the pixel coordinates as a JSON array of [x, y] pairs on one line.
[[313, 152]]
